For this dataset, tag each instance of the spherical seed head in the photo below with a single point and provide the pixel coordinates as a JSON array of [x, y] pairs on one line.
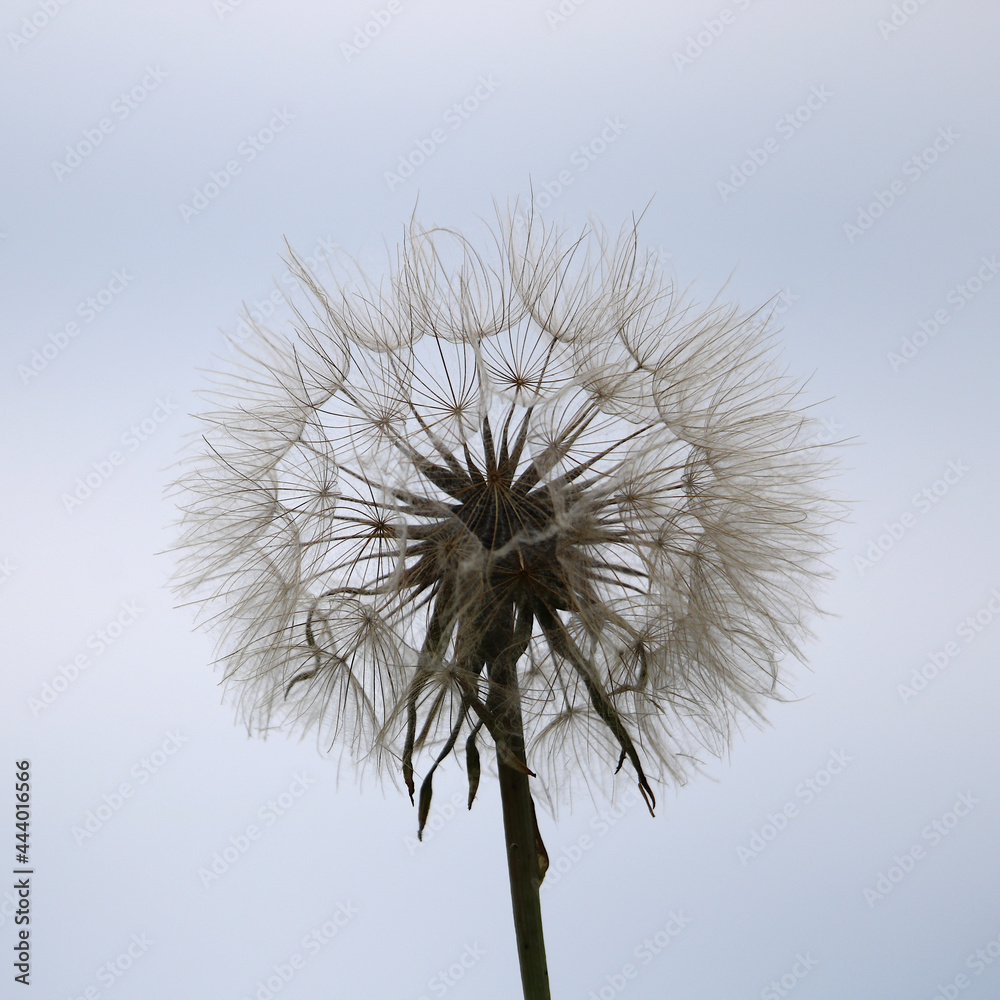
[[531, 487]]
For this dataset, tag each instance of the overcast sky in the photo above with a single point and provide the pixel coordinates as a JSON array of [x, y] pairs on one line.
[[839, 156]]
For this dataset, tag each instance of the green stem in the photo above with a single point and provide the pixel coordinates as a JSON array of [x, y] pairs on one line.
[[524, 864], [505, 642]]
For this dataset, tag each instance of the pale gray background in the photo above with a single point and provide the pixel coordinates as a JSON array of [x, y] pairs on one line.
[[67, 573]]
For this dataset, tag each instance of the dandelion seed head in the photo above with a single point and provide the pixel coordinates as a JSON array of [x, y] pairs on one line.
[[538, 454]]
